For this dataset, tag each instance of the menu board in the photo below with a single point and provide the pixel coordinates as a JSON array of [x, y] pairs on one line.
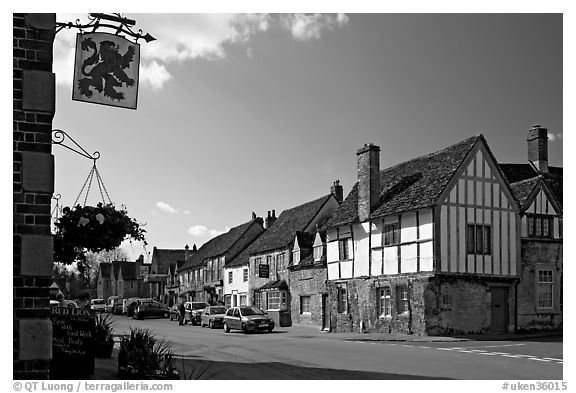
[[72, 342], [264, 271]]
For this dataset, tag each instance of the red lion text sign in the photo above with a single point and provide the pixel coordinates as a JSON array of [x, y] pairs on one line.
[[106, 70]]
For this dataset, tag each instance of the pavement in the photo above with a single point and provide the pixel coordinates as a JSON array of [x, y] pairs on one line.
[[106, 369]]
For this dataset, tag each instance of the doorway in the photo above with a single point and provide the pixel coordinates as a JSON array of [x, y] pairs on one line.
[[325, 313], [499, 309]]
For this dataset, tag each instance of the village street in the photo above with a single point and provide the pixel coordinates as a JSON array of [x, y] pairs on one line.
[[306, 353]]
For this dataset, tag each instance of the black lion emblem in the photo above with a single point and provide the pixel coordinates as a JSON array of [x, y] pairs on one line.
[[108, 71]]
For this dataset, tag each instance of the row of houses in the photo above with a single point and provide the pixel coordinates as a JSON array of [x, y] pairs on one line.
[[450, 242]]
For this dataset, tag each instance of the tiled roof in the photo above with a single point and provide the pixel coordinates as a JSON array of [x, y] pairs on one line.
[[105, 268], [411, 185], [278, 284], [219, 245], [305, 239], [164, 257], [128, 270], [240, 259], [523, 178], [309, 262], [282, 232]]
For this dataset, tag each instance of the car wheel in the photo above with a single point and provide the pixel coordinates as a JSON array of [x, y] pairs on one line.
[[165, 315], [210, 325], [270, 330], [244, 328], [226, 328]]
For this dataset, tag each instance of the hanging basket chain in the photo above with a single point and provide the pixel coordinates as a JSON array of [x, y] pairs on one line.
[[82, 189], [89, 185], [101, 185]]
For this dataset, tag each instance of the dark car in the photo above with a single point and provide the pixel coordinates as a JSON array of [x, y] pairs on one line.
[[132, 305], [213, 316], [247, 319], [151, 309], [194, 311]]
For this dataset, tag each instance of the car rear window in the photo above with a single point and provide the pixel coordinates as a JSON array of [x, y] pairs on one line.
[[197, 306], [217, 310]]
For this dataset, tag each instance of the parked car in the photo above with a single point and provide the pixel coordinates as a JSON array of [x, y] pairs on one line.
[[194, 312], [247, 319], [114, 305], [98, 305], [131, 305], [213, 316], [150, 309]]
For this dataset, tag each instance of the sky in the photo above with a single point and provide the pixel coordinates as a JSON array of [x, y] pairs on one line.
[[242, 113]]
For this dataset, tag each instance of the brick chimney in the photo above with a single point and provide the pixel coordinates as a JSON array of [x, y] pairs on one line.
[[368, 179], [186, 252], [538, 147], [337, 191], [270, 219]]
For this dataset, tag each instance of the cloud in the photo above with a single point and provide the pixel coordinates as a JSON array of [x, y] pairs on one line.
[[166, 207], [310, 26], [553, 137], [187, 212], [185, 37], [201, 230]]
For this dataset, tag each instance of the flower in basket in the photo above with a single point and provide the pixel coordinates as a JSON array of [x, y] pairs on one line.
[[92, 228]]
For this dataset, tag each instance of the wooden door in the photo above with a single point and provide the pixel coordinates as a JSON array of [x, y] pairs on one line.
[[499, 308]]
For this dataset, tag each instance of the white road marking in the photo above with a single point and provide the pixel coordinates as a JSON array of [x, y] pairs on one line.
[[557, 360], [540, 360]]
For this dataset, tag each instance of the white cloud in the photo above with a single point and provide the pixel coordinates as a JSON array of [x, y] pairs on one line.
[[166, 207], [551, 137], [187, 212], [201, 230], [184, 37], [310, 26]]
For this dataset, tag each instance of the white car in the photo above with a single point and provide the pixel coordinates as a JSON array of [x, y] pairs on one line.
[[98, 305]]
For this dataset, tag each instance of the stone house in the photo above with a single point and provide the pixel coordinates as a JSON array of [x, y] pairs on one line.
[[156, 280], [429, 246], [205, 269], [271, 254], [308, 275], [538, 190], [120, 278]]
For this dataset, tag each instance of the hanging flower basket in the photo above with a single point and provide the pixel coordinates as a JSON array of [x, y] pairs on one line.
[[92, 228]]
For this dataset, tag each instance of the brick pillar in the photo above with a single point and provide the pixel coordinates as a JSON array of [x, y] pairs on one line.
[[538, 147], [368, 179], [33, 185]]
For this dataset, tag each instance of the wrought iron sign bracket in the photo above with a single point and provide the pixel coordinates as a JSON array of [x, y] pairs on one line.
[[123, 25], [58, 138]]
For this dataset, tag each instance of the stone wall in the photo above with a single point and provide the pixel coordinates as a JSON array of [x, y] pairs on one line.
[[33, 185], [437, 305], [308, 282], [540, 254]]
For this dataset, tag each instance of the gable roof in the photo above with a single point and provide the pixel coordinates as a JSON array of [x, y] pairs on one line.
[[282, 232], [220, 244], [164, 257], [305, 239], [105, 269], [411, 185], [524, 178], [128, 270]]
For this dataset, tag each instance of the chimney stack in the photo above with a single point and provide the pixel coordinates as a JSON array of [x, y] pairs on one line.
[[186, 252], [538, 147], [368, 179], [270, 219], [337, 191]]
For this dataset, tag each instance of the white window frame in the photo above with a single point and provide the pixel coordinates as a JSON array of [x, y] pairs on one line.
[[385, 302], [305, 300], [342, 298], [402, 299], [541, 284], [230, 277], [245, 275]]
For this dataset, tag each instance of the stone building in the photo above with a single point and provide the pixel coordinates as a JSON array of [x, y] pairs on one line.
[[121, 278], [429, 246], [537, 187], [271, 254], [308, 275], [205, 269], [155, 282], [33, 184]]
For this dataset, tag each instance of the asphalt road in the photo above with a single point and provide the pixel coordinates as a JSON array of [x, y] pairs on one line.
[[288, 353]]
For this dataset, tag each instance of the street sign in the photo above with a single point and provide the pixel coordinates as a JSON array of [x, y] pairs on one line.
[[106, 70], [263, 271]]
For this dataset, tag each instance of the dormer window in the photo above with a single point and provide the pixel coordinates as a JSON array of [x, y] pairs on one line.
[[540, 226], [295, 257]]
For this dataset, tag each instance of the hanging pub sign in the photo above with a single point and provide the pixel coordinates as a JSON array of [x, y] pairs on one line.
[[263, 271], [106, 70]]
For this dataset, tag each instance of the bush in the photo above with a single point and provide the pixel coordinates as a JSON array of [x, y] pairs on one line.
[[143, 356]]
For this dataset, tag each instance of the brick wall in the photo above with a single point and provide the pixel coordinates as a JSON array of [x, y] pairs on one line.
[[33, 185], [437, 305], [308, 282], [540, 254]]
